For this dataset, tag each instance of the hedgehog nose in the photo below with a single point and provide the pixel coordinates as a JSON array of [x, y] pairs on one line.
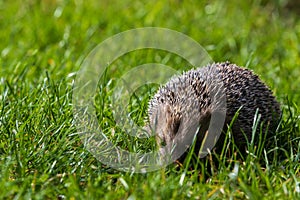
[[163, 143]]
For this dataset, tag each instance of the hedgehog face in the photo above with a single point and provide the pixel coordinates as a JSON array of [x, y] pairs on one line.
[[165, 123], [172, 125], [175, 129]]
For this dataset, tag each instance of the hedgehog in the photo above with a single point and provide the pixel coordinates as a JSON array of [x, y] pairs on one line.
[[203, 102]]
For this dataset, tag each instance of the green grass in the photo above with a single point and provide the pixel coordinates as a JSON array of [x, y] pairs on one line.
[[42, 46]]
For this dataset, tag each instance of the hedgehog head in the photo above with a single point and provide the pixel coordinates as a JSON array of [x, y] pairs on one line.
[[166, 121]]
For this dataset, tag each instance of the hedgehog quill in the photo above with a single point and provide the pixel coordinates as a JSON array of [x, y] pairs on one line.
[[185, 107]]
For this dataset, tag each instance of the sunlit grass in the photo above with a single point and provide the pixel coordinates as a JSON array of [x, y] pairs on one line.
[[42, 46]]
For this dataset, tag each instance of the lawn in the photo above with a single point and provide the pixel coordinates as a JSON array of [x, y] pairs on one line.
[[45, 43]]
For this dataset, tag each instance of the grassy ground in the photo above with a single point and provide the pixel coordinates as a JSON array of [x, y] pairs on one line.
[[43, 44]]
